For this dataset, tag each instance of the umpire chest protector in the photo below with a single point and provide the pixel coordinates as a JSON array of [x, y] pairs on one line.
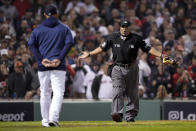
[[124, 49]]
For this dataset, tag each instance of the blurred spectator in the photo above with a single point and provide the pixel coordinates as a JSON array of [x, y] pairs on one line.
[[158, 14], [102, 28], [89, 6], [38, 7], [80, 17], [182, 85], [28, 16], [4, 58], [179, 21], [3, 30], [69, 81], [89, 44], [141, 91], [186, 37], [99, 38], [19, 81], [4, 44], [11, 29], [169, 38], [115, 17], [2, 16], [75, 5], [34, 92], [22, 28], [144, 72], [158, 77], [102, 85], [141, 10], [192, 68], [25, 4], [8, 39], [9, 10], [105, 11], [88, 79], [188, 45], [77, 88], [130, 15], [177, 79], [3, 81], [161, 93], [123, 8], [110, 29]]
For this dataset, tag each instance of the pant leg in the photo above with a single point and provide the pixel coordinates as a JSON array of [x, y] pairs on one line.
[[117, 92], [58, 88], [45, 95], [132, 80]]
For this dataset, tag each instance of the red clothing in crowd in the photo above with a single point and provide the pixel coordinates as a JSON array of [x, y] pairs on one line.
[[175, 78], [25, 4], [192, 71]]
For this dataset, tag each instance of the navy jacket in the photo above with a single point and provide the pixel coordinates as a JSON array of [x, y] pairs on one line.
[[51, 40]]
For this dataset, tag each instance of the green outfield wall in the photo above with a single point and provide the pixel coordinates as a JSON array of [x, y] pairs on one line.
[[99, 110], [90, 110]]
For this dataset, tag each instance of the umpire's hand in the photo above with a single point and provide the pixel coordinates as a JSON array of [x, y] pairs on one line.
[[85, 54]]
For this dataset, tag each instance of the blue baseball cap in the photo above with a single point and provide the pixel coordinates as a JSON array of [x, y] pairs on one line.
[[50, 10]]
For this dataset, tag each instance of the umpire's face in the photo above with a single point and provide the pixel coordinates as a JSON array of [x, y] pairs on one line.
[[124, 30]]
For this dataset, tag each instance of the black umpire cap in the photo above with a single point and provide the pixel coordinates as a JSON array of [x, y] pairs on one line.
[[125, 23], [50, 10]]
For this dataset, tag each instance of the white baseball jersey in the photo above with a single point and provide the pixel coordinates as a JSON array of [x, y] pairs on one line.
[[105, 90]]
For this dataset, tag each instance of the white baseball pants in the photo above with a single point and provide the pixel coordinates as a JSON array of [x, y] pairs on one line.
[[51, 81]]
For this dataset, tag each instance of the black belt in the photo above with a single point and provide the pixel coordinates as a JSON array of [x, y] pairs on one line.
[[124, 65]]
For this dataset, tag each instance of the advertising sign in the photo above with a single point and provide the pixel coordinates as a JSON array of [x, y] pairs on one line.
[[179, 111], [16, 111]]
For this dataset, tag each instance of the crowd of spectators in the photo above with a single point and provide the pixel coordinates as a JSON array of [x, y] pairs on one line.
[[167, 25]]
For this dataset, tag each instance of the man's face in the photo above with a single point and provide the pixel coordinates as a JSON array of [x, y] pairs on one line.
[[124, 30]]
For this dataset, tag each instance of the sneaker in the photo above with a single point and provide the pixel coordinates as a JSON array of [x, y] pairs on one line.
[[54, 123], [45, 125], [116, 117], [130, 119]]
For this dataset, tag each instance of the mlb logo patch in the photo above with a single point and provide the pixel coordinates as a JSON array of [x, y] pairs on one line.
[[131, 46]]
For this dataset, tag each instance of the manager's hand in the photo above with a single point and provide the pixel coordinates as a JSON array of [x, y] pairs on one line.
[[55, 63], [46, 62]]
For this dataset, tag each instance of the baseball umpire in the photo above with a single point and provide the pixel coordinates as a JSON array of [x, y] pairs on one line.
[[50, 42], [125, 46]]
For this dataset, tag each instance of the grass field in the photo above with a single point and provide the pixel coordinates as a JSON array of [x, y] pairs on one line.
[[102, 126]]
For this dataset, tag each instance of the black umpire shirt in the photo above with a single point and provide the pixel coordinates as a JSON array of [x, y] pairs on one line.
[[124, 49]]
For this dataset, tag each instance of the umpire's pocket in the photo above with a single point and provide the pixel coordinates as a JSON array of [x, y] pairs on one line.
[[110, 67]]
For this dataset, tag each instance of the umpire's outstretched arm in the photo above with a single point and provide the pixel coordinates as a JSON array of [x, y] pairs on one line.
[[154, 52], [86, 54]]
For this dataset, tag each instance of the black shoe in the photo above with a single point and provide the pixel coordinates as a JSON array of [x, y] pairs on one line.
[[54, 124], [116, 117], [130, 119]]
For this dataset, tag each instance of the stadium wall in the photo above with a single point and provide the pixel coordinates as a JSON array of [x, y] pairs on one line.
[[85, 110], [99, 110]]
